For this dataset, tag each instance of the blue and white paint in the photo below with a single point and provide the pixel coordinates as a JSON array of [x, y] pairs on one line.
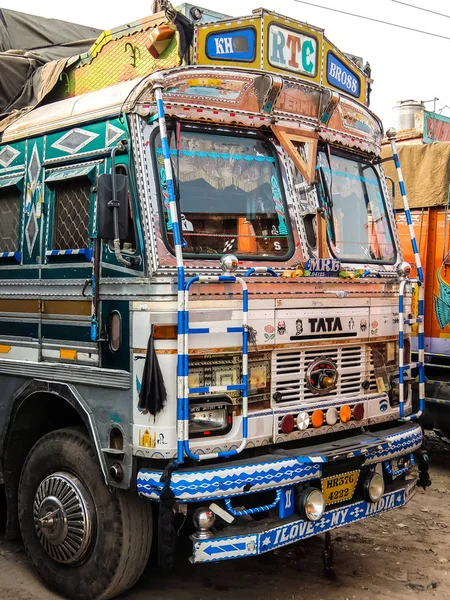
[[228, 481], [239, 546], [341, 77]]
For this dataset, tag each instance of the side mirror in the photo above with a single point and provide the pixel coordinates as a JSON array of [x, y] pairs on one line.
[[112, 200]]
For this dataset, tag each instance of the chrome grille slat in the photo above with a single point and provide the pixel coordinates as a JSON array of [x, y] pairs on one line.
[[289, 368]]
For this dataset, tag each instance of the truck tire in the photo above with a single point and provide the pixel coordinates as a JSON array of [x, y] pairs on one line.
[[85, 540]]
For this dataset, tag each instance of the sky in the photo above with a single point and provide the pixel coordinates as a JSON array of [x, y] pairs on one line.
[[405, 64]]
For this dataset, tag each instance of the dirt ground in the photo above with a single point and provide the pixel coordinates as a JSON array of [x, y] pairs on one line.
[[402, 554]]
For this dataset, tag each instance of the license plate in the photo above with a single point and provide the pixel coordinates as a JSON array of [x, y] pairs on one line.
[[339, 488]]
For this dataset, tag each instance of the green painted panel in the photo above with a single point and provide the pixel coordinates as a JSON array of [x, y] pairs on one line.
[[74, 333], [68, 272], [18, 273], [16, 328], [106, 272], [119, 359]]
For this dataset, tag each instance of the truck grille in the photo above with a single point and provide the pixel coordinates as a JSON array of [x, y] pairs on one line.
[[354, 364]]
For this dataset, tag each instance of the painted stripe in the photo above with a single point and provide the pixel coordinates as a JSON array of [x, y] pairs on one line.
[[402, 189], [245, 300], [176, 233]]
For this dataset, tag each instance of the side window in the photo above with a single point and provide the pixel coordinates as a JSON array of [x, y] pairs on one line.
[[70, 201], [72, 205], [10, 199]]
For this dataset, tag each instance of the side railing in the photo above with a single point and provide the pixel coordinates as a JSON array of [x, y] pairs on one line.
[[242, 386]]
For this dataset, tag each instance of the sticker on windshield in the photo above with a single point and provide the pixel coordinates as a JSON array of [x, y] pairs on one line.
[[323, 267]]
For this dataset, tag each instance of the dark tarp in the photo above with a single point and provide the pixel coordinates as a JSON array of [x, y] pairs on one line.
[[27, 44]]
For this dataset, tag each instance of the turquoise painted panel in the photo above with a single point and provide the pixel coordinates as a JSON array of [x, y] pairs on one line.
[[33, 214], [84, 140], [12, 156]]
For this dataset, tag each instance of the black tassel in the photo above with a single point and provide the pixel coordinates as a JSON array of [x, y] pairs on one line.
[[152, 396], [167, 537]]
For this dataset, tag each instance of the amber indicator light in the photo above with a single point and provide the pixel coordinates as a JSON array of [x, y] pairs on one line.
[[317, 418], [345, 414]]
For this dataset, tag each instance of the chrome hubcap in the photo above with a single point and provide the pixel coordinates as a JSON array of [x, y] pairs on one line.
[[61, 517]]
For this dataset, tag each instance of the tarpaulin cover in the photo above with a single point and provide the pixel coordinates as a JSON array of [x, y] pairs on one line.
[[426, 171], [33, 53]]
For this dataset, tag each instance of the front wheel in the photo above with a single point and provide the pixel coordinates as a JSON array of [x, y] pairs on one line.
[[85, 541]]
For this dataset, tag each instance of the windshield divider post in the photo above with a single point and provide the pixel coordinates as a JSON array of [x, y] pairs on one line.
[[322, 246]]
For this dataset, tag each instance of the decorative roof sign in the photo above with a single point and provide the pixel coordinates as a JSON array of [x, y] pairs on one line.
[[292, 51], [341, 77], [238, 44], [277, 44]]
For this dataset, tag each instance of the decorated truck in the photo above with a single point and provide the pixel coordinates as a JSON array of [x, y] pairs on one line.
[[203, 301], [426, 168]]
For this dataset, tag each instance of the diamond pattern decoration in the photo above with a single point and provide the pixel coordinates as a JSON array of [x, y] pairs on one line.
[[73, 141], [34, 168], [9, 219], [7, 155], [113, 133], [72, 208], [31, 230]]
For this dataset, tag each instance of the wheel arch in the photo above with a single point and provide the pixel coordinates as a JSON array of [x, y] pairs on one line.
[[39, 407]]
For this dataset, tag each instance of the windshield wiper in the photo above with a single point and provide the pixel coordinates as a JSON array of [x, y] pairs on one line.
[[325, 193]]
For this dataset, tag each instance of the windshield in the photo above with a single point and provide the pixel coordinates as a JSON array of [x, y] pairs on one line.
[[230, 195], [358, 226]]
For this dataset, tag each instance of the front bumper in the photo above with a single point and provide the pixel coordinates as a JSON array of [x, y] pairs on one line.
[[280, 469], [258, 537]]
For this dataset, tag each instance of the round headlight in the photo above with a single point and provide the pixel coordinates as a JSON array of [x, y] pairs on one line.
[[229, 263], [311, 504], [203, 520], [373, 487], [403, 270]]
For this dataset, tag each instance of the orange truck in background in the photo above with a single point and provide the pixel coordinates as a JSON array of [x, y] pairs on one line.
[[426, 171]]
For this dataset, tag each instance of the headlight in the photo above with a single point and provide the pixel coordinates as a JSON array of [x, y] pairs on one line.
[[373, 487], [211, 416], [311, 504]]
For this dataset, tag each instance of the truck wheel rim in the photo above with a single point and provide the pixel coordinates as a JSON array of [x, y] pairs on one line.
[[61, 517]]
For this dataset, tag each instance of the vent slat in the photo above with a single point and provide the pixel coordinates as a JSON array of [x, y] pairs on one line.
[[289, 369]]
